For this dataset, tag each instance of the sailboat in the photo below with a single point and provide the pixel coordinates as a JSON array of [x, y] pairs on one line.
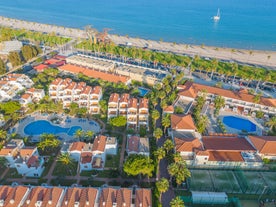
[[217, 17]]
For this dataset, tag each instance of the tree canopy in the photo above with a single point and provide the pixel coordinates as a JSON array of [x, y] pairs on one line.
[[119, 121], [138, 165]]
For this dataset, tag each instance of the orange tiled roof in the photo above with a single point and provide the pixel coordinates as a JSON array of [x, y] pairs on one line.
[[169, 109], [56, 81], [96, 90], [85, 197], [27, 151], [26, 96], [7, 150], [114, 97], [5, 191], [124, 97], [52, 197], [225, 156], [143, 103], [99, 143], [86, 157], [15, 196], [41, 67], [94, 73], [108, 197], [264, 144], [123, 197], [36, 194], [77, 146], [191, 89], [87, 90], [31, 90], [143, 198], [133, 144], [51, 61], [187, 144], [182, 122], [132, 103], [226, 144]]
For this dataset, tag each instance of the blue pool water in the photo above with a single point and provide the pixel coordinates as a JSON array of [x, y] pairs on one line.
[[143, 91], [239, 123], [42, 126]]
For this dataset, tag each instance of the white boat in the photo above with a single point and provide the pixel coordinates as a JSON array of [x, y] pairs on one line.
[[217, 17]]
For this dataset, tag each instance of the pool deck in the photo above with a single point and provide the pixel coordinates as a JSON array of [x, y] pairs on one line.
[[85, 124], [259, 127]]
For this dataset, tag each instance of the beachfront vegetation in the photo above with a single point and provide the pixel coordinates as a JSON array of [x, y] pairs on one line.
[[50, 39], [138, 165], [211, 66]]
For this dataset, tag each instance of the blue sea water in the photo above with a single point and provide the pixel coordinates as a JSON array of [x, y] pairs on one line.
[[249, 24]]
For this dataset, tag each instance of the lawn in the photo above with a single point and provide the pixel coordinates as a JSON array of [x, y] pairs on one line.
[[12, 173], [113, 161], [47, 166], [92, 183], [62, 182], [63, 170], [108, 174]]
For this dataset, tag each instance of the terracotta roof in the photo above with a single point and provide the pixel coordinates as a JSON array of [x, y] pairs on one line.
[[114, 97], [71, 86], [56, 81], [27, 151], [36, 194], [132, 103], [33, 161], [5, 191], [15, 196], [94, 73], [169, 109], [52, 197], [26, 96], [202, 153], [264, 144], [87, 90], [143, 103], [60, 57], [8, 150], [124, 97], [225, 156], [31, 90], [191, 89], [96, 90], [41, 67], [51, 61], [226, 144], [108, 197], [84, 196], [86, 157], [143, 196], [187, 144], [182, 122], [133, 144], [77, 146], [123, 197], [99, 143]]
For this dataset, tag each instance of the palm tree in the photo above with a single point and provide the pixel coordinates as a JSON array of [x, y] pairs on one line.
[[89, 134], [177, 202], [179, 170], [65, 159], [3, 134], [168, 145], [158, 133], [162, 186], [166, 122], [159, 154], [202, 124], [78, 134], [272, 123], [257, 98], [155, 115], [219, 103]]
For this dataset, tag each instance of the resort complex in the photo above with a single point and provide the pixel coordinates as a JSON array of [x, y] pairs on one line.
[[85, 122]]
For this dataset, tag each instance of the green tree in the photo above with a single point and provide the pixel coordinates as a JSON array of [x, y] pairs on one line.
[[168, 146], [271, 123], [219, 103], [138, 165], [73, 107], [2, 67], [3, 135], [158, 133], [178, 110], [202, 124], [162, 186], [15, 58], [166, 122], [177, 202], [159, 154], [79, 134], [155, 115], [48, 143], [28, 52], [257, 98], [119, 121], [89, 134], [65, 159]]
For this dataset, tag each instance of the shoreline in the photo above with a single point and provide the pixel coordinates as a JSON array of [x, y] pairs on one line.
[[260, 58]]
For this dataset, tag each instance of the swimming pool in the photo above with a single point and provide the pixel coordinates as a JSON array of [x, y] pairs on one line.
[[143, 91], [239, 123], [42, 126]]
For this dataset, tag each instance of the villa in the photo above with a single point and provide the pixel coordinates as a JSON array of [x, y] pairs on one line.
[[68, 91], [265, 146], [238, 101], [26, 160], [92, 156], [12, 84], [32, 95], [135, 110], [137, 145], [38, 196]]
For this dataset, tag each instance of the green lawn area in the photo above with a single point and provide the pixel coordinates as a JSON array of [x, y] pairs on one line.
[[113, 161], [12, 173], [108, 174], [62, 182], [91, 182], [47, 166], [63, 170]]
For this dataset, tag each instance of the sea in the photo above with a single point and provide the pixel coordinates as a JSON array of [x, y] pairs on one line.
[[247, 24]]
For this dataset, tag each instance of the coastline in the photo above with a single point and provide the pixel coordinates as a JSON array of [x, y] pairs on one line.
[[254, 57]]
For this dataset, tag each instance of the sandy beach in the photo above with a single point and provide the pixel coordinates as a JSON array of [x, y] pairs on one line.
[[255, 57]]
